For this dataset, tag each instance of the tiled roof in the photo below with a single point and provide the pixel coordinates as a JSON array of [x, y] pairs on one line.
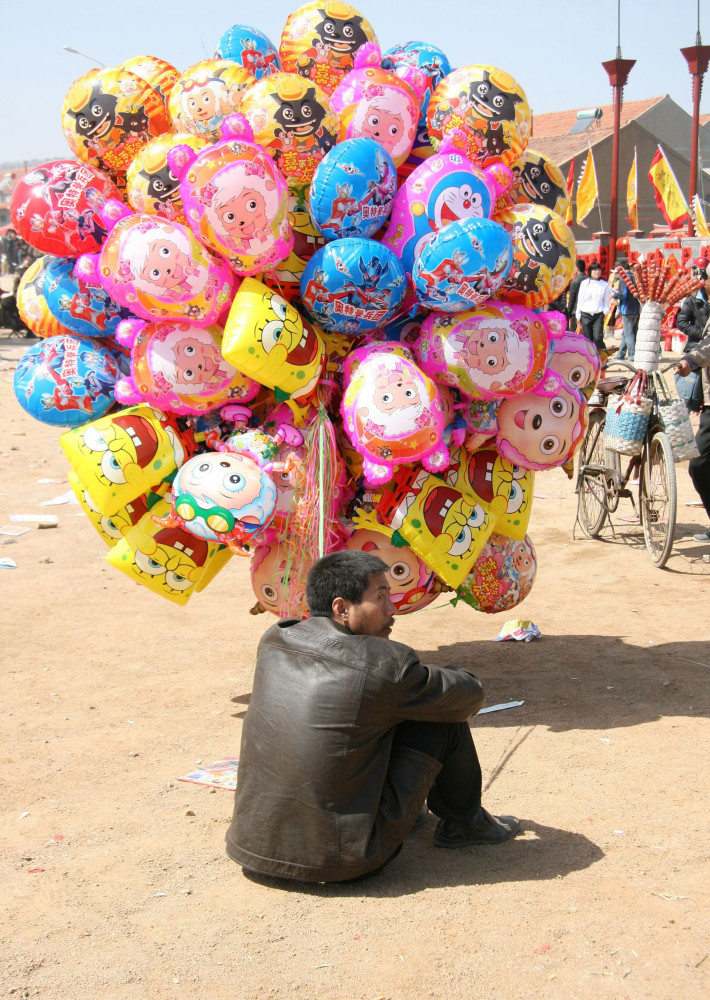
[[704, 119]]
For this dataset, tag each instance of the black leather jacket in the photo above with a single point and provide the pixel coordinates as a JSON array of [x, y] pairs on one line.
[[692, 319], [321, 797]]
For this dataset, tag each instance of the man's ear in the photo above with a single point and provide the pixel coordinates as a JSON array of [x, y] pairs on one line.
[[340, 610]]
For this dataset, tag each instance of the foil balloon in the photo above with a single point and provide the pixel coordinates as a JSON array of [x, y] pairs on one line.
[[159, 74], [392, 412], [222, 497], [418, 58], [495, 351], [250, 49], [543, 255], [110, 529], [168, 561], [576, 360], [32, 304], [538, 181], [271, 581], [353, 285], [294, 121], [151, 185], [158, 269], [489, 110], [124, 454], [514, 520], [83, 308], [502, 576], [108, 114], [462, 266], [447, 188], [205, 95], [353, 189], [55, 207], [541, 429], [267, 339], [179, 367], [319, 41], [413, 585], [285, 277], [66, 381], [378, 105], [235, 199]]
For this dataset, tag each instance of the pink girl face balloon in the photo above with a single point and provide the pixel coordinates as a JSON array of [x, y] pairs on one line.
[[158, 269], [576, 360], [493, 352], [179, 367], [542, 429], [412, 584], [268, 571], [378, 105], [391, 411], [236, 200]]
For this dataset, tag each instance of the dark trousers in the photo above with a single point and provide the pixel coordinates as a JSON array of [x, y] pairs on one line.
[[699, 468], [593, 328], [456, 792]]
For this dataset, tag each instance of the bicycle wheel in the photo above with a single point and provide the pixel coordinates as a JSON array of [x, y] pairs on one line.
[[591, 485], [658, 497]]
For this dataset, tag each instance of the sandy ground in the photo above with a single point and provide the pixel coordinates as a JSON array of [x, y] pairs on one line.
[[115, 880]]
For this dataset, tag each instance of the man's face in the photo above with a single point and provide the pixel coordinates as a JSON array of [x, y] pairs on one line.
[[374, 615]]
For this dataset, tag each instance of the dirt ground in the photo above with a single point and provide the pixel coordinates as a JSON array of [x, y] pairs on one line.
[[115, 880]]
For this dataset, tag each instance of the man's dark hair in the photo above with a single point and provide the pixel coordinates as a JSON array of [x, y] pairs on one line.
[[340, 574], [581, 265]]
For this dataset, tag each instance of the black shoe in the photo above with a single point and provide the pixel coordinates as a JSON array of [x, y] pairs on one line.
[[486, 829]]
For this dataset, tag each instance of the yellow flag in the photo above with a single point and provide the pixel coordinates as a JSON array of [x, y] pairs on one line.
[[669, 197], [701, 226], [586, 190], [632, 205]]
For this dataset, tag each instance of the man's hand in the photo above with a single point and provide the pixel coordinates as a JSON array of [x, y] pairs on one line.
[[683, 368]]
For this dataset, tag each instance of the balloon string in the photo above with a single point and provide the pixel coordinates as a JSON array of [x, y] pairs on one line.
[[321, 477]]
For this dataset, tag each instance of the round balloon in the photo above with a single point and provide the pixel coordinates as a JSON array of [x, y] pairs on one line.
[[378, 105], [493, 352], [55, 207], [251, 49], [404, 60], [179, 367], [541, 429], [108, 114], [31, 303], [488, 107], [80, 307], [65, 380], [158, 269], [462, 266], [158, 73], [502, 575], [538, 181], [294, 121], [285, 277], [413, 585], [236, 200], [270, 580], [353, 189], [205, 95], [319, 41], [543, 255], [353, 285], [151, 185]]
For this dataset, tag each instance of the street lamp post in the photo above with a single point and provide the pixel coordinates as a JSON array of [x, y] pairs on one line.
[[618, 72], [697, 57]]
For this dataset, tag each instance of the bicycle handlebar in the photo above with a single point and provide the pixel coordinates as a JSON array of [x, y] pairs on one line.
[[632, 367]]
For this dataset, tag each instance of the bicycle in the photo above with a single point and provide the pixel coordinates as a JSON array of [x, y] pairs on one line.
[[601, 484]]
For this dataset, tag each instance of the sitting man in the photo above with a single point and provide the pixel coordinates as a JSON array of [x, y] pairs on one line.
[[347, 736]]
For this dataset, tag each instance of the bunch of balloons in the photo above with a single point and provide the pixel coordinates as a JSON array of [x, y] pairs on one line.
[[294, 300]]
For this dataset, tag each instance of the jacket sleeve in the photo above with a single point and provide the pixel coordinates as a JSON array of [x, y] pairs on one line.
[[700, 355], [435, 694]]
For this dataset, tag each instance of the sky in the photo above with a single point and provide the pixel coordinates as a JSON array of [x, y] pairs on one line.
[[553, 49]]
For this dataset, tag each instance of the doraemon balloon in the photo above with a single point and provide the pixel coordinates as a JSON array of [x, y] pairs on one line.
[[179, 367], [353, 286], [251, 49], [65, 381], [205, 95], [80, 307], [235, 199], [158, 269], [353, 189], [462, 266], [543, 255], [151, 185]]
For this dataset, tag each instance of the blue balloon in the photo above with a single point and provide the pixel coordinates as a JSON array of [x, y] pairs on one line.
[[418, 55], [251, 49], [463, 265], [66, 381], [353, 285], [82, 308], [353, 189]]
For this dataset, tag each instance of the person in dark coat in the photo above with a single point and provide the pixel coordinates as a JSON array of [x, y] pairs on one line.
[[695, 312], [348, 736], [573, 292], [630, 311]]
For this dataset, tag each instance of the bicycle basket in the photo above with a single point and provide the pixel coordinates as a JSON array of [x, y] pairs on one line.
[[676, 422], [627, 420]]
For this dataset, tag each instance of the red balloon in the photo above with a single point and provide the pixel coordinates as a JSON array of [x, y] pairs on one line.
[[55, 207]]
